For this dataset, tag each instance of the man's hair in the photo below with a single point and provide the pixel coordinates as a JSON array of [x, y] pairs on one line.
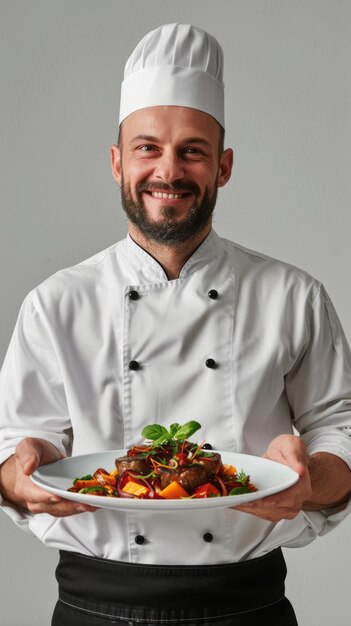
[[221, 138]]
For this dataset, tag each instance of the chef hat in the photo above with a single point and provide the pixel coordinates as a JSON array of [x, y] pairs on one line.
[[175, 64]]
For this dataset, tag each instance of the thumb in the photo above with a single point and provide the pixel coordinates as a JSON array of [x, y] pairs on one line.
[[297, 459], [30, 461], [289, 450], [35, 452]]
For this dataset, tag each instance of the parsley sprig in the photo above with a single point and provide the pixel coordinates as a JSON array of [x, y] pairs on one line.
[[244, 479]]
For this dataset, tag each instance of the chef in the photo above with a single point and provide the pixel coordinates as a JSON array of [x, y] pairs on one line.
[[170, 324]]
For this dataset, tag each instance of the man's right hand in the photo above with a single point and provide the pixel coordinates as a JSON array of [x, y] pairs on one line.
[[18, 489]]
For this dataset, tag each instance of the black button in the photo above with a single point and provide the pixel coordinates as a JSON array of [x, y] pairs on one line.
[[207, 446], [139, 539], [208, 537], [213, 294], [134, 365], [133, 295], [211, 363]]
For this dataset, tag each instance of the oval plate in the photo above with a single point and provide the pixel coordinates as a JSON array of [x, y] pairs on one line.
[[268, 476]]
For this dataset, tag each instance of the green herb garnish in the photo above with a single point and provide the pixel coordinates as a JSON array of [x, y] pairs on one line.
[[159, 435], [244, 479], [237, 491], [87, 477]]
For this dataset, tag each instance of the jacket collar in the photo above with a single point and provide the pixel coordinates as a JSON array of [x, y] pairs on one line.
[[205, 253]]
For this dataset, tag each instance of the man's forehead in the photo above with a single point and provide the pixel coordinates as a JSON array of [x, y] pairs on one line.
[[159, 121]]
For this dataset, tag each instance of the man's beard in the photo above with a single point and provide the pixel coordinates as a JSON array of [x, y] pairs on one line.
[[167, 230]]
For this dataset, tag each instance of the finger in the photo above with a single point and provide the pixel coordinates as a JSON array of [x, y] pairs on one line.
[[271, 515], [258, 505], [41, 501], [272, 511], [283, 505], [64, 508], [31, 493]]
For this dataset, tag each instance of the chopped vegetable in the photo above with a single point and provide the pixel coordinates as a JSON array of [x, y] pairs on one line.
[[80, 484], [173, 491], [135, 489], [206, 491]]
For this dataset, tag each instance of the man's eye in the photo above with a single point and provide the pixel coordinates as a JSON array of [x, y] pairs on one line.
[[147, 148], [192, 151]]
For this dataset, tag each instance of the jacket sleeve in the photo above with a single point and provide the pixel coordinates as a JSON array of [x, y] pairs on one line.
[[32, 396], [319, 394], [319, 385]]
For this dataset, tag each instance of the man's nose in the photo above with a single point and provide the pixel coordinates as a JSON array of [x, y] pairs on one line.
[[169, 168]]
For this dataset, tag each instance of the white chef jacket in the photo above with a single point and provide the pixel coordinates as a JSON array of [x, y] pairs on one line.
[[282, 362]]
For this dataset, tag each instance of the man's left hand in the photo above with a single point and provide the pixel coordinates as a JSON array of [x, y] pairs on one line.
[[289, 450]]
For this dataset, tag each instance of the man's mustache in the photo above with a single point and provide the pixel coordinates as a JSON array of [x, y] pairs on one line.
[[176, 187]]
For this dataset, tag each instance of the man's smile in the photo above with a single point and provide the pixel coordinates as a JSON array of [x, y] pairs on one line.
[[171, 198], [167, 196]]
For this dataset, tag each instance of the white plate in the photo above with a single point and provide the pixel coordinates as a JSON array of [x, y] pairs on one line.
[[268, 476]]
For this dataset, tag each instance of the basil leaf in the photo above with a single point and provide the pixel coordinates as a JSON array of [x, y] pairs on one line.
[[155, 432], [162, 440], [237, 491], [173, 429], [188, 429]]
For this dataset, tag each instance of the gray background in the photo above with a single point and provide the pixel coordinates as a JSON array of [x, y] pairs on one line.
[[288, 118]]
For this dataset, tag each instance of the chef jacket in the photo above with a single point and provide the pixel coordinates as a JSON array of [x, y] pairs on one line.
[[248, 346]]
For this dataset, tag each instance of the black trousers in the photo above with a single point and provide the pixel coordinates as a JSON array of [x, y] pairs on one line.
[[99, 592]]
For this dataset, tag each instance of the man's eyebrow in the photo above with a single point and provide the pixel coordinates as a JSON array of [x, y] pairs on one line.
[[198, 140], [145, 138], [187, 140]]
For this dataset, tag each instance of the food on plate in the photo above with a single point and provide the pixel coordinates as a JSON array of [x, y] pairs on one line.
[[167, 466]]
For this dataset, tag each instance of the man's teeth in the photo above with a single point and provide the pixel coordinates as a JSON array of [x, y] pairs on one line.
[[166, 196]]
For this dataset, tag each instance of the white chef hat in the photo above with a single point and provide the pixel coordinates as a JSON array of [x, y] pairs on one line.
[[175, 64]]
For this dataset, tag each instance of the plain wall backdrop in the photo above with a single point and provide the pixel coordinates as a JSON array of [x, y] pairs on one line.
[[288, 119]]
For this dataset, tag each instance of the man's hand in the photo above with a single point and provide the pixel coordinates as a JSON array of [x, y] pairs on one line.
[[18, 489], [291, 451]]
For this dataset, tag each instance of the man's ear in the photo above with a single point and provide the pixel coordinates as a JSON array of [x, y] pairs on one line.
[[116, 163], [225, 167]]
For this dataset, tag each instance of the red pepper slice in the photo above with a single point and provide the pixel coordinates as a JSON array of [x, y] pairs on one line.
[[207, 490], [182, 458]]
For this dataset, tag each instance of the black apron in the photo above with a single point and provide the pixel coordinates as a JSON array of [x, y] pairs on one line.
[[100, 592]]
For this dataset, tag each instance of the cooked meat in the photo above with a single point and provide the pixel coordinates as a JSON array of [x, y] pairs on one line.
[[189, 477], [211, 464], [136, 464]]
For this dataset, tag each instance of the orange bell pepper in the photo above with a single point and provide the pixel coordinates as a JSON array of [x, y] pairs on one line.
[[135, 489], [81, 484], [173, 491], [229, 469]]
